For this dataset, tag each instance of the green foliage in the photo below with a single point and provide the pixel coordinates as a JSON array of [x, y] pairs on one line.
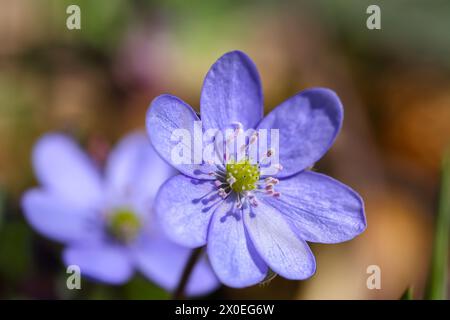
[[417, 28], [15, 251], [408, 294], [140, 288], [2, 206], [437, 282], [102, 22]]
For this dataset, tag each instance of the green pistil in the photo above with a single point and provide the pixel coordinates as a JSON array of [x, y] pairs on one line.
[[245, 175], [124, 225]]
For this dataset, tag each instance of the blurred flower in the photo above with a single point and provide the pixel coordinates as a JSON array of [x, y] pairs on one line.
[[143, 57], [249, 219], [106, 221]]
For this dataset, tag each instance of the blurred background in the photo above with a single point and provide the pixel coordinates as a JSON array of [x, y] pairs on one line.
[[96, 84]]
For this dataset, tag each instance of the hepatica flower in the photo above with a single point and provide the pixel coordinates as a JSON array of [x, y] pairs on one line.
[[105, 220], [252, 219]]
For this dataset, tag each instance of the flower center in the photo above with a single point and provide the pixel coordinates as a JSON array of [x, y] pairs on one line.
[[245, 178], [243, 175], [124, 225]]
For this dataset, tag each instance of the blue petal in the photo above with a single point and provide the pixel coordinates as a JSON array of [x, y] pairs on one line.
[[320, 208], [231, 93], [168, 115], [104, 263], [308, 124], [59, 220], [134, 172], [284, 252], [163, 262], [184, 208], [230, 251], [64, 169]]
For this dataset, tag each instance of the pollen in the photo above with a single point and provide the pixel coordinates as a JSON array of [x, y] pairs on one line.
[[243, 174], [124, 225]]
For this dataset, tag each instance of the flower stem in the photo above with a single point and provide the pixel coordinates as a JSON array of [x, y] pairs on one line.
[[179, 292]]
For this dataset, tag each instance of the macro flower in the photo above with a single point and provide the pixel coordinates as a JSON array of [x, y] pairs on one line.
[[105, 220], [252, 219]]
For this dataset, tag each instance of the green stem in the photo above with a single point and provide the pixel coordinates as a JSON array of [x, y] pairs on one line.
[[437, 281], [179, 292]]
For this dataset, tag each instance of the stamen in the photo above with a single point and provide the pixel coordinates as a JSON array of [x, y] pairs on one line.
[[264, 159], [217, 174], [221, 168], [278, 167], [238, 125], [253, 139], [271, 180], [243, 177], [238, 202], [231, 180], [270, 170], [237, 131], [223, 194]]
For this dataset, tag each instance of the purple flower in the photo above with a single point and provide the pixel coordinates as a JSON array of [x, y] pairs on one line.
[[251, 221], [106, 221]]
